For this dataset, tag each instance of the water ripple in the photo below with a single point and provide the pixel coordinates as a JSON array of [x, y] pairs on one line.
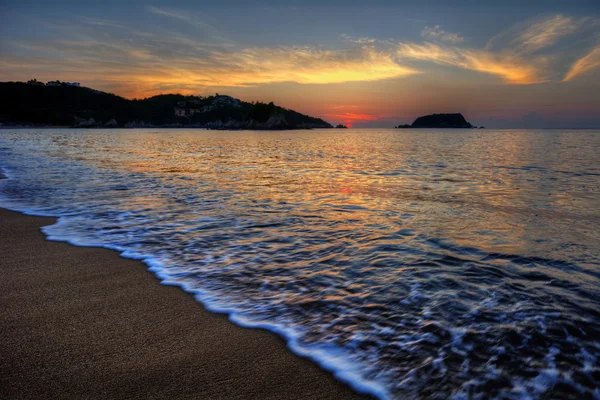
[[429, 265]]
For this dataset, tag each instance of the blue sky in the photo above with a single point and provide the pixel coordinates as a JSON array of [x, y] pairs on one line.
[[367, 64]]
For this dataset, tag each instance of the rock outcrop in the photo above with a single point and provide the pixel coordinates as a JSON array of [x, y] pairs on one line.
[[456, 121], [84, 123]]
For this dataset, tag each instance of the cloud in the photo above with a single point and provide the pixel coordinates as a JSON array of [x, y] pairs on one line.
[[358, 40], [180, 15], [437, 33], [524, 54], [510, 67], [150, 63], [103, 22], [584, 64], [536, 35], [142, 62], [310, 65], [546, 33]]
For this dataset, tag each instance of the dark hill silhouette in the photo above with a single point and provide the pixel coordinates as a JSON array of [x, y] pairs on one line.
[[63, 105], [440, 121]]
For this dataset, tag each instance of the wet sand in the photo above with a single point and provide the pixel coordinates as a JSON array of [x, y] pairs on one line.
[[80, 322]]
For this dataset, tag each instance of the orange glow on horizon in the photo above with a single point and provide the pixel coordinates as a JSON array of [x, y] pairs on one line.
[[350, 118]]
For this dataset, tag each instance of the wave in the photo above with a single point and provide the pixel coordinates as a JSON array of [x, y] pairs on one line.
[[327, 357], [456, 291]]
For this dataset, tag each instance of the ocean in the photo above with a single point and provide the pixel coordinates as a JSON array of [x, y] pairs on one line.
[[411, 263]]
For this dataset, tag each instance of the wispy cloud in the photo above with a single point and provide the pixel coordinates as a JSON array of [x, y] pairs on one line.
[[437, 33], [523, 54], [193, 20], [103, 22], [538, 34], [309, 65], [157, 60], [188, 18], [510, 67], [158, 63], [358, 40], [584, 64], [179, 15], [546, 33]]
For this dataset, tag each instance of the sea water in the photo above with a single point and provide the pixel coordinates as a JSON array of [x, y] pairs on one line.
[[411, 263]]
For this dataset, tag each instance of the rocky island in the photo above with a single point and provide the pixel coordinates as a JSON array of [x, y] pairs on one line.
[[454, 121], [62, 104]]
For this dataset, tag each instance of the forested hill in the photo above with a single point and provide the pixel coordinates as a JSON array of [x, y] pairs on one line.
[[64, 105]]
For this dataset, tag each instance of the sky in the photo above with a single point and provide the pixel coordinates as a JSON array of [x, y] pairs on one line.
[[505, 64]]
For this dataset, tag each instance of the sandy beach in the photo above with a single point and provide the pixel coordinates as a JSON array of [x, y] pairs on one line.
[[85, 323]]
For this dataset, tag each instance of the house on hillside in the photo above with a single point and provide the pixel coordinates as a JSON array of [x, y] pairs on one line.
[[222, 100], [185, 110]]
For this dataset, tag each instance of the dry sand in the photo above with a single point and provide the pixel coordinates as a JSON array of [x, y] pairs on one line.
[[80, 322]]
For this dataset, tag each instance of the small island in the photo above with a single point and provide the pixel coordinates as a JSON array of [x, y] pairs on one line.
[[340, 126], [453, 121]]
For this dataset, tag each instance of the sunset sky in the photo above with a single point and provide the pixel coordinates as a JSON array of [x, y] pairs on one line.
[[366, 64]]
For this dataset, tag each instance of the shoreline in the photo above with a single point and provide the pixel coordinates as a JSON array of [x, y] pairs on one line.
[[92, 128], [85, 322]]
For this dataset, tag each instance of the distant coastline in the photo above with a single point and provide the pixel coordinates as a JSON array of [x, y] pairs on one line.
[[35, 105], [64, 104]]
